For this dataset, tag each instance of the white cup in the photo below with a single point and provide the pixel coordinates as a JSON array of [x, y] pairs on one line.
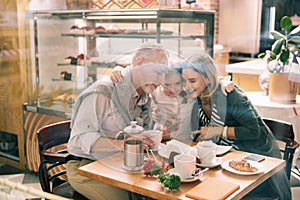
[[155, 136], [185, 165], [206, 152]]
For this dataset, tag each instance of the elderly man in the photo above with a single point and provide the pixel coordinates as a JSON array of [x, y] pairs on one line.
[[106, 108]]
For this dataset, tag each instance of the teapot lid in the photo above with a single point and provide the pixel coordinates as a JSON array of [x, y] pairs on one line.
[[133, 128]]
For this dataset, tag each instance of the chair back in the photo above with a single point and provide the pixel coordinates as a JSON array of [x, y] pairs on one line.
[[53, 139], [55, 134], [283, 131], [52, 152]]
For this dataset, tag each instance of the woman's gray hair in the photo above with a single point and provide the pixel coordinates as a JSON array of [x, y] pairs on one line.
[[204, 65]]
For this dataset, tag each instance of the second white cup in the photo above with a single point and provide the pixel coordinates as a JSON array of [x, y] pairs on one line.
[[206, 152]]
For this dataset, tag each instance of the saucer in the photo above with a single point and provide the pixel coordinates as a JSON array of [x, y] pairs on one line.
[[216, 162], [188, 180]]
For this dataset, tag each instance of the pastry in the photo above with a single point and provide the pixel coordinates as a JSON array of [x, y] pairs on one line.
[[75, 30], [79, 60], [242, 165], [71, 60], [82, 30], [100, 29], [64, 75], [88, 30]]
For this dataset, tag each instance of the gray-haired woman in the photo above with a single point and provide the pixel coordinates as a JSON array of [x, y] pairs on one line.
[[232, 118]]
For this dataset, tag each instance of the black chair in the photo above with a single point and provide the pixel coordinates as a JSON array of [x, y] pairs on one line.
[[52, 171], [283, 131]]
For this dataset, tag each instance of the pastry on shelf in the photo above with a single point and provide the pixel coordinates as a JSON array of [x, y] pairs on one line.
[[88, 30], [71, 60], [147, 32], [60, 95], [64, 75], [100, 29], [75, 30], [82, 30], [114, 29], [79, 60]]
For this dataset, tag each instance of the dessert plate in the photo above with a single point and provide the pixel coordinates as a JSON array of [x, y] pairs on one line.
[[216, 162], [220, 149], [259, 166]]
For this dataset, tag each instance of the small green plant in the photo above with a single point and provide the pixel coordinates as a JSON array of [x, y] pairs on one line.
[[170, 181], [286, 46]]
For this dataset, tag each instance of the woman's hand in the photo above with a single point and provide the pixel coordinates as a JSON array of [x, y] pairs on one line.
[[116, 75], [207, 132]]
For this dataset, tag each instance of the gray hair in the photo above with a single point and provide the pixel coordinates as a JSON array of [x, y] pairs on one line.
[[204, 65], [149, 52]]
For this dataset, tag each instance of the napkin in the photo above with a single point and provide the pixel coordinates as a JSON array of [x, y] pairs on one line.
[[179, 147], [212, 188]]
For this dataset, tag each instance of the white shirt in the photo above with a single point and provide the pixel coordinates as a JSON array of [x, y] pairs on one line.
[[175, 114]]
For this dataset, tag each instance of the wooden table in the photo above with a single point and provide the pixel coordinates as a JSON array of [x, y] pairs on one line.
[[109, 170]]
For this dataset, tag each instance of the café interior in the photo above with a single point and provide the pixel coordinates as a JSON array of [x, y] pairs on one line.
[[51, 50]]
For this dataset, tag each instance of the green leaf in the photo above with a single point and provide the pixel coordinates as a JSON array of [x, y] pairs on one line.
[[272, 55], [296, 30], [286, 23], [262, 55], [284, 56], [172, 182], [277, 46], [295, 39], [155, 169], [162, 177], [276, 35]]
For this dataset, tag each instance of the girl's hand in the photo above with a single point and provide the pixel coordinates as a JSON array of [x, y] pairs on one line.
[[165, 133], [226, 85]]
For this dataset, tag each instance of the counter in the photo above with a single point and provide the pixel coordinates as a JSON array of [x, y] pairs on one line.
[[246, 74]]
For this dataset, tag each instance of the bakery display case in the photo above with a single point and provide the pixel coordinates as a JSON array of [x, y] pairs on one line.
[[70, 49]]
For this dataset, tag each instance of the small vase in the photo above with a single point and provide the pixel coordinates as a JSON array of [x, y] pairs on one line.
[[280, 89]]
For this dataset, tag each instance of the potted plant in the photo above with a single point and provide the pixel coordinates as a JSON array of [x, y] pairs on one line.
[[283, 56]]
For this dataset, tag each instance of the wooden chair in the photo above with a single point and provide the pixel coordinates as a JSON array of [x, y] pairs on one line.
[[283, 131], [52, 172]]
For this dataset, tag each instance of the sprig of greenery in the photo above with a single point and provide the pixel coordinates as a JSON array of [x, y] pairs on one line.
[[152, 168], [170, 181]]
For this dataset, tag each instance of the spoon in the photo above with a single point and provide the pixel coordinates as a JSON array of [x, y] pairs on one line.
[[198, 173]]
